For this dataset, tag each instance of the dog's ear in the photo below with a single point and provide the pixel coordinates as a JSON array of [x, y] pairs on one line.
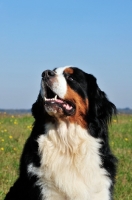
[[38, 108], [99, 106]]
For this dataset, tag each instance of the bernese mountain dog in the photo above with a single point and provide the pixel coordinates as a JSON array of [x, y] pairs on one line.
[[67, 156]]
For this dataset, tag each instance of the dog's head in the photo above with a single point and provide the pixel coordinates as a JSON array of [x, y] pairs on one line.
[[68, 93]]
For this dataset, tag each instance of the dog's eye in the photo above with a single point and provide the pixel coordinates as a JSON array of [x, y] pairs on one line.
[[69, 77]]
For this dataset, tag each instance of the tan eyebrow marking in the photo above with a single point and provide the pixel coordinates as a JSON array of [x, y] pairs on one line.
[[69, 70]]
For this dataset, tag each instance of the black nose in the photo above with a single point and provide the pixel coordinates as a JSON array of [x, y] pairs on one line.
[[48, 74]]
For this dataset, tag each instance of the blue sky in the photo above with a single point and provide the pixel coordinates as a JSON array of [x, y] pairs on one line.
[[94, 35]]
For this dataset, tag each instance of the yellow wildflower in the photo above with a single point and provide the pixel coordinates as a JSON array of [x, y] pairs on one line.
[[126, 139], [29, 127], [10, 137], [2, 149]]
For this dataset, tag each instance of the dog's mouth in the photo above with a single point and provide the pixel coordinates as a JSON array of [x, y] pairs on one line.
[[55, 105]]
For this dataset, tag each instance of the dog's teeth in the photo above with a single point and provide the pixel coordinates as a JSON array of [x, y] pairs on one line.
[[50, 99], [45, 98]]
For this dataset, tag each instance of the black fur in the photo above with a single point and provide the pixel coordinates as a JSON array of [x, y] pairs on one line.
[[98, 117]]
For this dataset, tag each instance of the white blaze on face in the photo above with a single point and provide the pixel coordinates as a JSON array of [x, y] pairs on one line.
[[60, 86]]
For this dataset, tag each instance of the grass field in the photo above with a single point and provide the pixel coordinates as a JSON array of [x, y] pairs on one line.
[[14, 130]]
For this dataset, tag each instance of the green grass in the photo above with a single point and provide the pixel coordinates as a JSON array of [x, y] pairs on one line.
[[121, 144], [14, 130]]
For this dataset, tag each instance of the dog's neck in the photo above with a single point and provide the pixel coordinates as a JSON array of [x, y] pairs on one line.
[[67, 137]]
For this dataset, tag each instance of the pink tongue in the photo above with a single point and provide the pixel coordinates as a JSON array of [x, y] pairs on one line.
[[59, 100], [67, 106]]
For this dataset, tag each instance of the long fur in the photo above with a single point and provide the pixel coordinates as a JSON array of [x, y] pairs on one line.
[[68, 161]]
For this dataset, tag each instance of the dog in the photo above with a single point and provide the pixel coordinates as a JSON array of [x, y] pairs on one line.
[[67, 156]]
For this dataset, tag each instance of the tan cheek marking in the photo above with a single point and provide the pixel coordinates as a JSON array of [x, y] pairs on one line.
[[69, 70], [81, 107]]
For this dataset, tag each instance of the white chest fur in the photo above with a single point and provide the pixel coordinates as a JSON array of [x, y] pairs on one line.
[[70, 165]]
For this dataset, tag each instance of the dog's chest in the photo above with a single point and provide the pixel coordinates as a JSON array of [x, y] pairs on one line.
[[70, 165]]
